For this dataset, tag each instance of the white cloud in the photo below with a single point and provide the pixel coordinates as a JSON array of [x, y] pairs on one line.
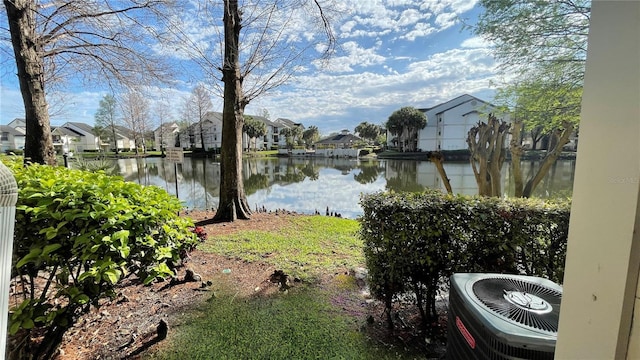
[[420, 30], [476, 42], [354, 55], [386, 61]]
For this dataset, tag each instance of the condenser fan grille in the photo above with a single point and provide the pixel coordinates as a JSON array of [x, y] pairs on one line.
[[527, 303]]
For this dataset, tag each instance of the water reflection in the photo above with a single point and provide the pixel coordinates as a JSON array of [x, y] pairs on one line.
[[312, 184]]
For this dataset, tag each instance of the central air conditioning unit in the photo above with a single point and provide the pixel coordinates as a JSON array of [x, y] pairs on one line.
[[499, 316]]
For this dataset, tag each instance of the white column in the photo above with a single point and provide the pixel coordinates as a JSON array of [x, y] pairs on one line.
[[603, 256], [8, 199]]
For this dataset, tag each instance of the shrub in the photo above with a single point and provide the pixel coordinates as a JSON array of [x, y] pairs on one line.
[[83, 232], [414, 242]]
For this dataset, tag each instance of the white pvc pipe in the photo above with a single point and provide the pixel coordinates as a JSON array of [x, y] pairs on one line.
[[8, 199]]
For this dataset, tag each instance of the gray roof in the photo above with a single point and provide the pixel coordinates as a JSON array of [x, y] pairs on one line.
[[287, 122], [82, 126], [339, 139], [453, 101], [65, 131], [10, 130]]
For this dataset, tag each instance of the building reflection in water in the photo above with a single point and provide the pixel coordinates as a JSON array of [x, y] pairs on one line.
[[307, 185]]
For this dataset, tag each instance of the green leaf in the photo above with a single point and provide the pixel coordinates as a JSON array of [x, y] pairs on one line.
[[50, 248], [15, 326], [30, 257], [27, 324], [111, 276]]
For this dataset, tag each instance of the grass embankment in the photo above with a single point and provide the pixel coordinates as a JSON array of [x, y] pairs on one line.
[[300, 324]]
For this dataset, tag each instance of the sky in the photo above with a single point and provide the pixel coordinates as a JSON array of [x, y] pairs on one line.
[[390, 54]]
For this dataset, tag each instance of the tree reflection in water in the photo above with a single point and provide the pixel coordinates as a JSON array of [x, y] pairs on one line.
[[308, 184]]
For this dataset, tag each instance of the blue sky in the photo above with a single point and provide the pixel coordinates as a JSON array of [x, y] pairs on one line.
[[391, 54]]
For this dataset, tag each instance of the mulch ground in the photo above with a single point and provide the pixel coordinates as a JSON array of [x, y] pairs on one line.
[[132, 323]]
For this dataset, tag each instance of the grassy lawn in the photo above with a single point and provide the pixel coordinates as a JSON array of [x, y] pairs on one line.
[[300, 324], [306, 247]]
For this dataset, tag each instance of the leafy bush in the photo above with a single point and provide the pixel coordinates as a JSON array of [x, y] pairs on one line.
[[414, 242], [83, 232]]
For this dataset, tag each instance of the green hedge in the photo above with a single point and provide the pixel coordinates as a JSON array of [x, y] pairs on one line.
[[83, 232], [414, 242]]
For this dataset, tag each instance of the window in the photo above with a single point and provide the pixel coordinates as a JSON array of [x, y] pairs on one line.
[[5, 136]]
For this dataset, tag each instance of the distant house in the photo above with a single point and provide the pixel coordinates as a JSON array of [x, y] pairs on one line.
[[65, 140], [272, 138], [166, 136], [344, 140], [18, 124], [211, 132], [84, 138], [11, 138], [449, 123]]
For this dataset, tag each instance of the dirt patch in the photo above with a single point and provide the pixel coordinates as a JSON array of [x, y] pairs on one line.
[[133, 322]]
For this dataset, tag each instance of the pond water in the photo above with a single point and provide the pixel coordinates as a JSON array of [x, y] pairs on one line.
[[307, 185]]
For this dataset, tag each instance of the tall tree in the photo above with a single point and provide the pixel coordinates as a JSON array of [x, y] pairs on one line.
[[254, 129], [292, 135], [197, 106], [532, 34], [368, 131], [107, 118], [544, 43], [544, 102], [263, 58], [134, 109], [405, 123], [162, 112], [311, 135], [89, 40]]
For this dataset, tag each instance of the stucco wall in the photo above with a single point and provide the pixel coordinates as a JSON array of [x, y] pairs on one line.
[[603, 256]]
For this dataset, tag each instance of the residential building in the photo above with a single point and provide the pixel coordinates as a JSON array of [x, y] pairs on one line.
[[344, 140], [18, 124], [11, 138], [65, 140], [82, 137], [85, 139], [211, 132], [273, 138], [449, 123], [166, 136]]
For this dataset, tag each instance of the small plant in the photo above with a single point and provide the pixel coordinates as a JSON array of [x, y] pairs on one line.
[[108, 166]]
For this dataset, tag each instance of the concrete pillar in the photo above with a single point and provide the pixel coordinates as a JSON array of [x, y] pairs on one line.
[[603, 256], [8, 199]]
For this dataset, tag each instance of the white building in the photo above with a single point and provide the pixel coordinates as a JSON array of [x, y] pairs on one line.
[[211, 133], [11, 138], [449, 123], [166, 136]]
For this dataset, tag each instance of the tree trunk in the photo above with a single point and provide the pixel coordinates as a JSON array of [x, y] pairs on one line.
[[233, 202], [30, 65], [516, 154], [202, 136], [437, 159], [549, 160], [115, 139], [487, 150]]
